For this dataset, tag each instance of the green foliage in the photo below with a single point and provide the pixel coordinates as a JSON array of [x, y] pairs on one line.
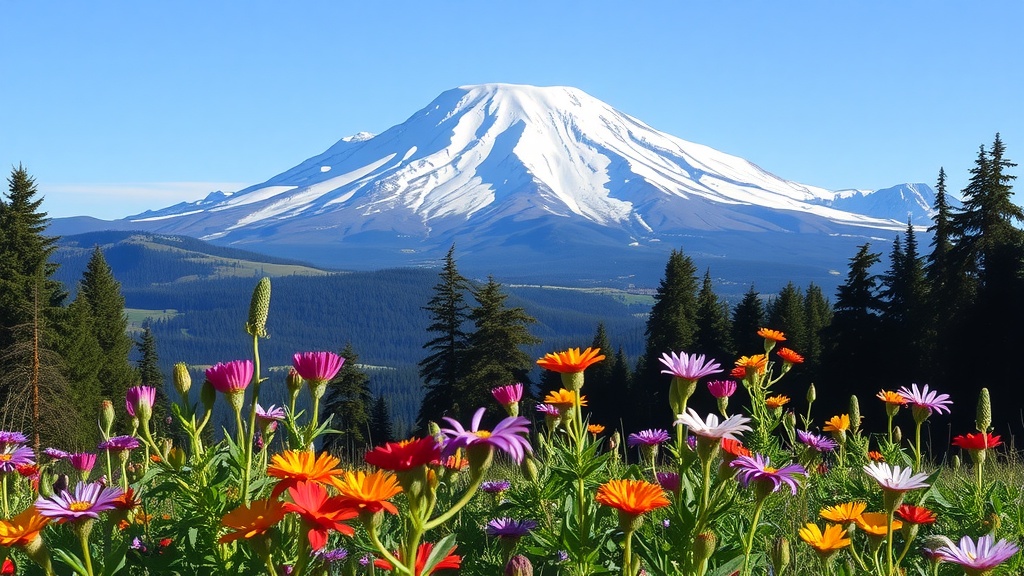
[[347, 403]]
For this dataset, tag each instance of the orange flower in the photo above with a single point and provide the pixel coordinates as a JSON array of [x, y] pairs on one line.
[[455, 461], [893, 398], [843, 513], [876, 456], [773, 335], [23, 528], [774, 402], [789, 357], [127, 500], [572, 360], [369, 492], [634, 497], [294, 466], [422, 554], [838, 423], [320, 513], [757, 363], [405, 455], [827, 542], [874, 523], [563, 399], [738, 372], [734, 449], [595, 429], [252, 521]]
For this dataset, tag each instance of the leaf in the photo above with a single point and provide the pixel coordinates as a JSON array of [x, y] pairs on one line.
[[71, 560], [438, 553]]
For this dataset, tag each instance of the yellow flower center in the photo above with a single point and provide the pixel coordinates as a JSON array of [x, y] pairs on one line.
[[79, 506], [5, 457], [770, 470], [483, 434]]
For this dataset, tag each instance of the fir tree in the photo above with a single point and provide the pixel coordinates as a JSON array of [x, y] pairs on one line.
[[786, 313], [102, 293], [817, 316], [905, 322], [381, 430], [347, 402], [442, 369], [714, 332], [602, 392], [747, 318]]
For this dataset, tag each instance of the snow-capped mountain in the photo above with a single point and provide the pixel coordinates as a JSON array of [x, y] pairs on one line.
[[497, 166]]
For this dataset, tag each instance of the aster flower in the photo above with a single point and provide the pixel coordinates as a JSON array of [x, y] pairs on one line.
[[231, 377], [253, 520], [926, 399], [670, 481], [405, 455], [331, 556], [495, 486], [722, 388], [825, 543], [711, 428], [369, 492], [317, 366], [894, 478], [758, 469], [508, 394], [509, 436], [651, 437], [978, 558], [979, 441], [423, 553], [509, 528], [12, 456], [139, 401], [571, 360], [57, 454], [632, 497], [10, 438], [816, 442], [83, 461], [319, 513], [294, 466], [876, 523], [85, 501], [272, 413], [119, 443], [23, 528], [548, 410], [915, 514], [689, 367], [844, 513]]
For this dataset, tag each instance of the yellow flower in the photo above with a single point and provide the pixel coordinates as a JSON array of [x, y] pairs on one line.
[[571, 360], [874, 523], [843, 513], [369, 492], [563, 399], [595, 429], [294, 466], [827, 542], [774, 402], [838, 423], [756, 363]]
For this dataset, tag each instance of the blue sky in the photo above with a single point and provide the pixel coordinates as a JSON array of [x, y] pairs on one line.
[[116, 107]]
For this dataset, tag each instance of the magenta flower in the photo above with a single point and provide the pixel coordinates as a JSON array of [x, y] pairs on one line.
[[57, 453], [758, 469], [317, 366], [510, 436], [119, 443], [495, 486], [688, 367], [669, 481], [651, 437], [11, 457], [8, 438], [816, 442], [230, 377], [83, 461], [926, 399], [722, 388], [509, 528], [508, 394], [978, 558], [87, 501], [140, 400]]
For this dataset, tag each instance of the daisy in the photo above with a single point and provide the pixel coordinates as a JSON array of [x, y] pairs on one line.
[[895, 478], [926, 399], [980, 558], [689, 367], [711, 428], [815, 442], [84, 502]]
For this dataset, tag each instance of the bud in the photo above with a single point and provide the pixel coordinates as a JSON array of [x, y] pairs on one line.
[[897, 434], [176, 458], [854, 414], [704, 546], [984, 418], [182, 380], [529, 469], [106, 417], [789, 421], [572, 381], [294, 384], [518, 565], [259, 308], [208, 395], [723, 405], [956, 462], [779, 554], [811, 394]]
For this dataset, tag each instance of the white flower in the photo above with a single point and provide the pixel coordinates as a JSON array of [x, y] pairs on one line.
[[710, 428], [895, 478]]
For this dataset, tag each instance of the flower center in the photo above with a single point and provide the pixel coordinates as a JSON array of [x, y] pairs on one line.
[[483, 434], [79, 506], [5, 457], [770, 470]]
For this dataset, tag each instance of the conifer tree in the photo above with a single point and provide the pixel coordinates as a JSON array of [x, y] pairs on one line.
[[905, 321], [602, 392], [442, 369], [747, 318], [381, 429], [786, 313], [148, 369], [102, 293], [714, 332], [495, 355], [818, 316], [347, 402]]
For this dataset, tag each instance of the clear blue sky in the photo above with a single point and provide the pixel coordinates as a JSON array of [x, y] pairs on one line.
[[116, 107]]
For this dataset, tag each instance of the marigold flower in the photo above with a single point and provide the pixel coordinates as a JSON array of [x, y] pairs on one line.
[[450, 561], [294, 466], [980, 558], [317, 366], [827, 542], [563, 399], [571, 360], [455, 462], [127, 500], [722, 388], [250, 521], [85, 501], [789, 357], [734, 449], [916, 514], [876, 456], [840, 423], [634, 497], [752, 364], [738, 372], [595, 429], [405, 455], [778, 401], [979, 441], [844, 513], [23, 528], [875, 523], [369, 492], [689, 366], [893, 398], [773, 335], [320, 513]]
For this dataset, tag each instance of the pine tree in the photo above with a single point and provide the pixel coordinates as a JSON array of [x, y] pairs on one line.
[[102, 293], [747, 318], [347, 402], [602, 392], [671, 327], [818, 316], [714, 330], [381, 430], [495, 355], [147, 368], [442, 369], [786, 313], [905, 319]]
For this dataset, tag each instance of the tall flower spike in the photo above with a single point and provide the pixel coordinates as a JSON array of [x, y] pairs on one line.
[[259, 308]]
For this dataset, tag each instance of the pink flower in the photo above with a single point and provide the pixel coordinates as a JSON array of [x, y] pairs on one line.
[[83, 461], [229, 377], [139, 401], [722, 388], [508, 394], [86, 501], [688, 367], [317, 366]]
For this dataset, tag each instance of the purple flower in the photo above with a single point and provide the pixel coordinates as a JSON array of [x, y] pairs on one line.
[[757, 469], [271, 414], [317, 366], [509, 527], [139, 401], [509, 436], [668, 480], [83, 461], [119, 443], [651, 437], [926, 399], [548, 410], [688, 367], [57, 454], [562, 556], [978, 558], [816, 442], [722, 388], [229, 377], [365, 560], [495, 486], [11, 457], [508, 394], [336, 555], [8, 438], [138, 544], [87, 501]]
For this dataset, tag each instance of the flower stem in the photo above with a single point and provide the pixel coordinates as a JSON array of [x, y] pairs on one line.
[[917, 447], [399, 567], [7, 509], [627, 555], [247, 447], [750, 537], [83, 537]]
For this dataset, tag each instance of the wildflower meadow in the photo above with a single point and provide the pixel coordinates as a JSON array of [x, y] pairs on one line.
[[528, 485]]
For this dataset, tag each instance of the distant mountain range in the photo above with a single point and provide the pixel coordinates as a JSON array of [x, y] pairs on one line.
[[540, 184]]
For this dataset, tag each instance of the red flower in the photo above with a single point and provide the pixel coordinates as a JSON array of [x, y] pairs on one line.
[[790, 357], [404, 455], [733, 449], [979, 441], [916, 514], [320, 513], [8, 567], [449, 561]]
